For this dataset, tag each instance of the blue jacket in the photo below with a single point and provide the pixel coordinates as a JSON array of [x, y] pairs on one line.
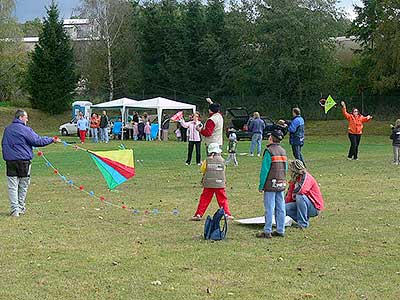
[[296, 129], [18, 140], [257, 126]]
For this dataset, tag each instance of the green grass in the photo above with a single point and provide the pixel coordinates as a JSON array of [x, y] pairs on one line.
[[70, 246]]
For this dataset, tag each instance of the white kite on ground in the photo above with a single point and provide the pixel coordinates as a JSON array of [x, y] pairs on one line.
[[261, 220]]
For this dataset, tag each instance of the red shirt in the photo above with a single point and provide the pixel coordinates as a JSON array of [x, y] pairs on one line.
[[306, 185]]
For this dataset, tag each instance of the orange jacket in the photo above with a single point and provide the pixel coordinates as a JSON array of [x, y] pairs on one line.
[[355, 122]]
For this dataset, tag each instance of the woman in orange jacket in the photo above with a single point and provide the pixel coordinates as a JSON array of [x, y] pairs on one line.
[[356, 124]]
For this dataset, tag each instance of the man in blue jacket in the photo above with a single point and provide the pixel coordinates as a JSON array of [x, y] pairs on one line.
[[17, 143], [296, 130]]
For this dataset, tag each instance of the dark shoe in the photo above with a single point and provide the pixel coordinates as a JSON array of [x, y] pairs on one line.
[[295, 225], [276, 233], [263, 235]]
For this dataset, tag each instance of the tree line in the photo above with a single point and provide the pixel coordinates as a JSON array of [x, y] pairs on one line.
[[265, 55]]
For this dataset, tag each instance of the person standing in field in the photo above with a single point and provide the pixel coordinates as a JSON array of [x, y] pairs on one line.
[[273, 184], [214, 182], [296, 133], [104, 127], [83, 125], [214, 126], [356, 124], [395, 137], [194, 138], [18, 140], [256, 127], [94, 127]]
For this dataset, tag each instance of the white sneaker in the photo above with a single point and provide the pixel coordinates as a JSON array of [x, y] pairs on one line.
[[15, 214], [186, 164], [258, 154], [251, 154], [199, 164]]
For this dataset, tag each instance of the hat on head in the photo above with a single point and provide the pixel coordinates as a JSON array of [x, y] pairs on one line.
[[214, 148], [277, 133], [297, 166], [214, 107]]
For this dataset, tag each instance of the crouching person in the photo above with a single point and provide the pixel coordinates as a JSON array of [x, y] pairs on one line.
[[213, 169], [273, 184], [304, 199]]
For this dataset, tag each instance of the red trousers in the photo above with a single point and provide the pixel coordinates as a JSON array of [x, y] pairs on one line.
[[82, 135], [206, 197]]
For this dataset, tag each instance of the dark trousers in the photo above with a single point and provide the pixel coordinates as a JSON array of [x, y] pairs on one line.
[[296, 149], [190, 151], [354, 142]]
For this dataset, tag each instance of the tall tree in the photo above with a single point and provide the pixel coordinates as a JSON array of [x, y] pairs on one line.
[[110, 24], [51, 78], [12, 54]]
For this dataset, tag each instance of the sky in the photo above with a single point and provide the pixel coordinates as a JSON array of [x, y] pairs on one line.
[[29, 9]]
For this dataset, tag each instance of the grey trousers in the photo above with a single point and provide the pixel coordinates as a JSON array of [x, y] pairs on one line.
[[232, 156], [396, 150], [17, 189]]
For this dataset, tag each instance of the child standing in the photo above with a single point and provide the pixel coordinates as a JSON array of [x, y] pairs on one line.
[[178, 133], [147, 131], [214, 182], [232, 146], [135, 131], [82, 125], [273, 184], [395, 136]]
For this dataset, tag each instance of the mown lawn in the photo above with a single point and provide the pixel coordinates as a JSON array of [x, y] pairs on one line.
[[70, 246]]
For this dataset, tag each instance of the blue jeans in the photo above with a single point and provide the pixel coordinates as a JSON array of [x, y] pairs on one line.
[[301, 210], [296, 149], [256, 139], [93, 132], [274, 203], [104, 135]]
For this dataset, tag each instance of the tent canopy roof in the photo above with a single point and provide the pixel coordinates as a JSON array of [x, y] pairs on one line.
[[163, 103], [119, 103]]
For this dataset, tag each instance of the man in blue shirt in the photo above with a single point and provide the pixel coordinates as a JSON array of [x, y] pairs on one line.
[[296, 130], [18, 140], [256, 128]]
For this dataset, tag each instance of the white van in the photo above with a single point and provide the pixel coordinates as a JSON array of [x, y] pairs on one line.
[[69, 128]]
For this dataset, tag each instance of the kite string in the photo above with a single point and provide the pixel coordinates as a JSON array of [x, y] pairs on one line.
[[175, 211], [71, 183]]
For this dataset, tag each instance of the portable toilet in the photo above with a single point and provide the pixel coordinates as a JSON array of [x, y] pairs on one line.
[[81, 106]]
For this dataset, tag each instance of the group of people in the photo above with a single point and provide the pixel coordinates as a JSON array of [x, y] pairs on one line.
[[98, 125], [303, 198], [139, 128]]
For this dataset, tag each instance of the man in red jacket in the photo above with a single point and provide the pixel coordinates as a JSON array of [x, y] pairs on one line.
[[304, 198]]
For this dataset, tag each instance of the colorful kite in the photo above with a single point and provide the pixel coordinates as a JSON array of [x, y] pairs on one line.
[[327, 104], [176, 117], [116, 166]]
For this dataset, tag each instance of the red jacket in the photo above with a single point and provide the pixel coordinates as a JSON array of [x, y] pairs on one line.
[[355, 122], [306, 185]]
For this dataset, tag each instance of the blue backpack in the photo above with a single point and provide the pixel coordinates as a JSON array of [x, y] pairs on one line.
[[212, 227]]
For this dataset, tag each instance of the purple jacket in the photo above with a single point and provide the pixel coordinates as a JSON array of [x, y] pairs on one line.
[[18, 140]]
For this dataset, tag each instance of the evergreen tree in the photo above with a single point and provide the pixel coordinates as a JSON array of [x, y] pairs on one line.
[[51, 75]]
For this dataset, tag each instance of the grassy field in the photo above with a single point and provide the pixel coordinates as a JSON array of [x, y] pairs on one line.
[[70, 246]]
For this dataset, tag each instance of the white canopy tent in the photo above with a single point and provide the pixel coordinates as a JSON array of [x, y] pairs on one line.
[[161, 104], [122, 104]]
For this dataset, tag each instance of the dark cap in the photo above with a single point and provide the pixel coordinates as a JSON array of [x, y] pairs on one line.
[[277, 133], [214, 107]]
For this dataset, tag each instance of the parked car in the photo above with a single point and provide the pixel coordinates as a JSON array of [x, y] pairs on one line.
[[241, 120], [69, 128]]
